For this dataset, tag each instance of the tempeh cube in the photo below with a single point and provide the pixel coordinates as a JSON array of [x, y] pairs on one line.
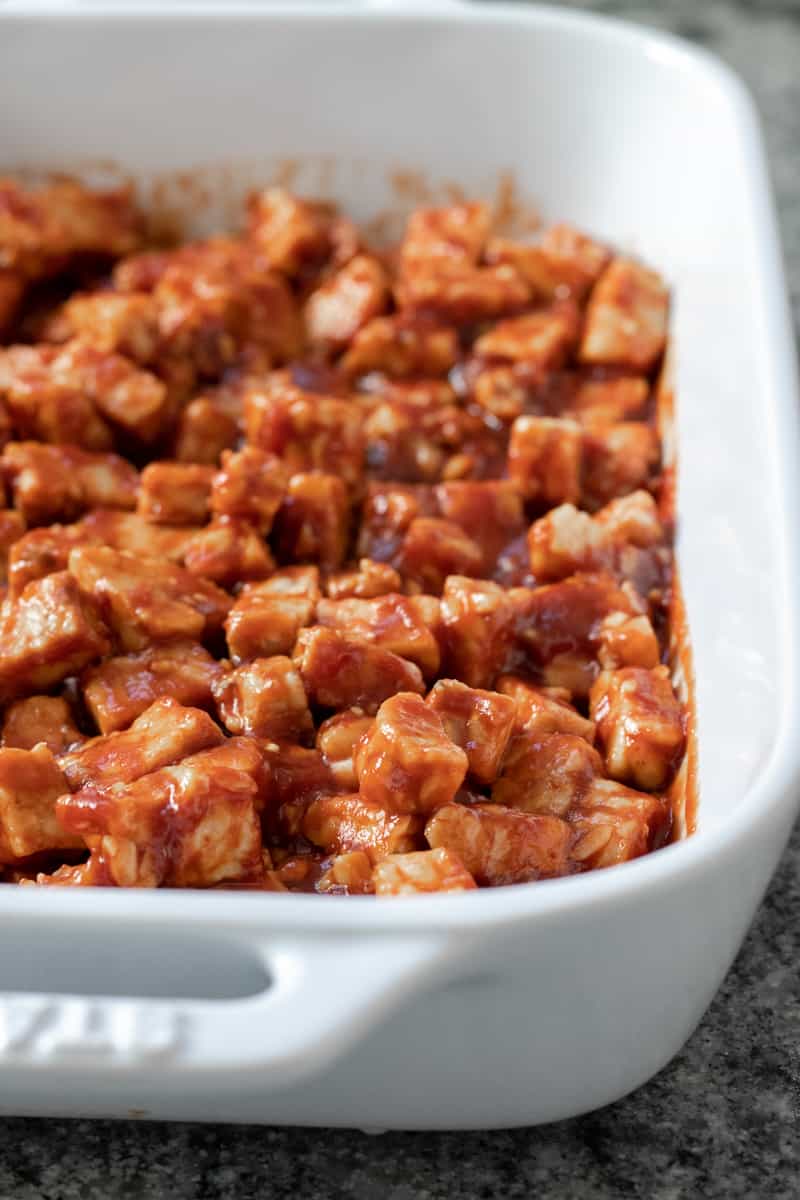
[[478, 618], [341, 671], [114, 323], [194, 824], [639, 725], [351, 822], [452, 233], [313, 521], [633, 519], [563, 541], [420, 872], [544, 459], [30, 783], [547, 774], [51, 483], [617, 459], [290, 232], [175, 493], [306, 430], [502, 845], [616, 824], [461, 293], [249, 485], [227, 551], [368, 580], [600, 402], [408, 763], [50, 632], [119, 689], [205, 428], [266, 617], [478, 721], [402, 345], [165, 733], [563, 262], [541, 339], [393, 622], [541, 711], [345, 302], [490, 511], [627, 641], [265, 698], [337, 739], [146, 600], [626, 320], [37, 719], [349, 874], [433, 549]]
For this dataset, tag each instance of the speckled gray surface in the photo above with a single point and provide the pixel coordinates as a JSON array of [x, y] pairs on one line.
[[722, 1121]]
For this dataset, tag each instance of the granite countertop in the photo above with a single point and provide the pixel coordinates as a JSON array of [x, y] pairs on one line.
[[722, 1121]]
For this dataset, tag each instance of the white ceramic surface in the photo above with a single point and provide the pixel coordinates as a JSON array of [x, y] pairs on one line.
[[523, 1004]]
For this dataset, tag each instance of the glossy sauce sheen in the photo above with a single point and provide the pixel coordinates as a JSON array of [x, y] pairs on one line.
[[331, 567]]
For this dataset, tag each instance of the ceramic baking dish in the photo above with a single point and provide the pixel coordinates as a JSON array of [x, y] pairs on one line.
[[529, 1003]]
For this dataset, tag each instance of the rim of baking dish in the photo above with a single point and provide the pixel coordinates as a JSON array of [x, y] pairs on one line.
[[773, 797]]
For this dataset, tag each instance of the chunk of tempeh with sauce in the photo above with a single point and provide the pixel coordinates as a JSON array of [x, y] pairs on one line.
[[228, 551], [402, 345], [433, 549], [47, 719], [165, 733], [340, 671], [313, 521], [542, 710], [250, 486], [541, 338], [407, 763], [626, 320], [364, 582], [393, 622], [289, 231], [175, 493], [266, 699], [30, 783], [477, 616], [478, 721], [502, 845], [145, 600], [616, 824], [563, 262], [547, 774], [420, 872], [639, 725], [42, 228], [57, 483], [337, 739], [352, 822], [266, 617], [50, 632], [193, 824], [544, 459], [557, 627], [308, 431], [567, 539], [348, 874], [344, 303], [616, 460], [118, 689]]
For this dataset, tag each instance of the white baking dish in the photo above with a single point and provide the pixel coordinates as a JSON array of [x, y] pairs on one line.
[[529, 1003]]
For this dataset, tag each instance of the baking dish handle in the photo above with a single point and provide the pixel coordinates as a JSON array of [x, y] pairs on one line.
[[321, 997]]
